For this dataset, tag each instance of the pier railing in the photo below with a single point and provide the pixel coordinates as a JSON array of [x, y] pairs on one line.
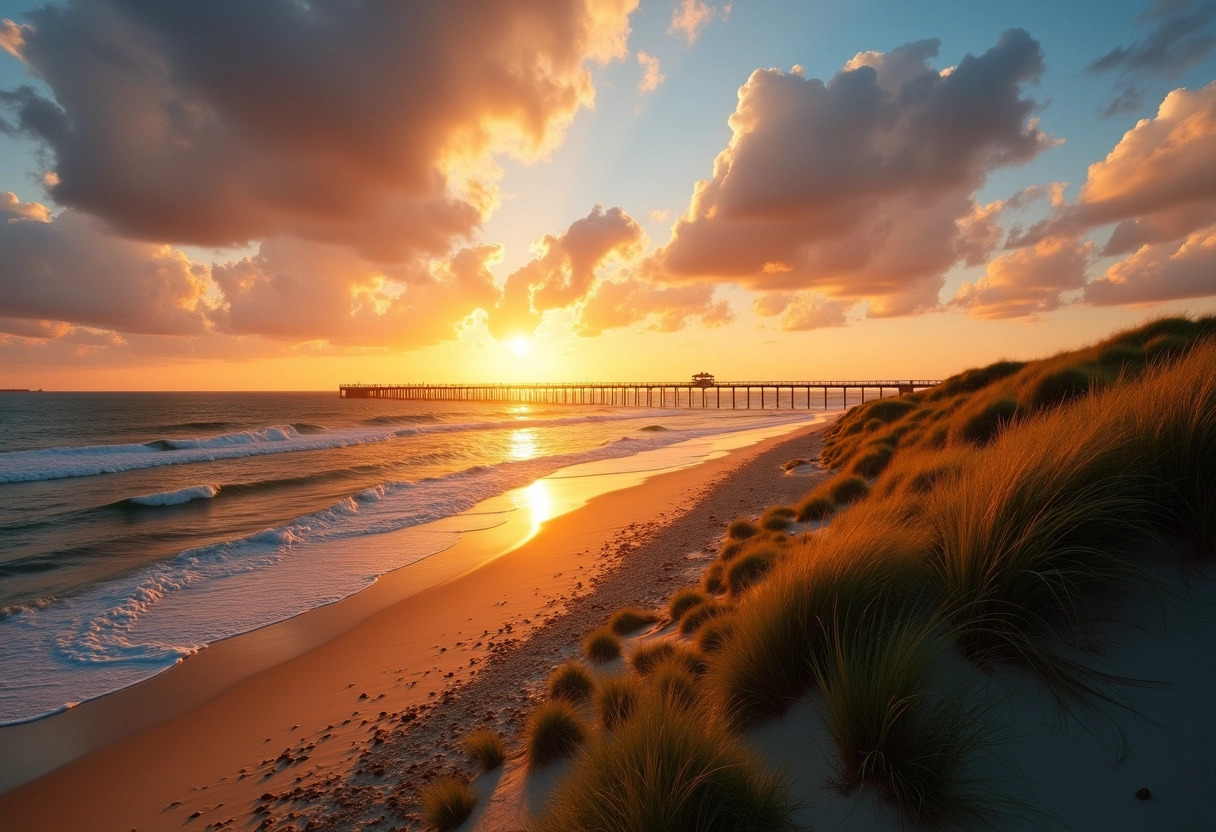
[[717, 394]]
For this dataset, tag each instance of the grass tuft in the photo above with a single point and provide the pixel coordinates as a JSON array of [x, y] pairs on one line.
[[815, 507], [630, 619], [845, 490], [696, 617], [570, 681], [747, 570], [553, 731], [667, 768], [741, 529], [602, 645], [486, 748], [714, 578], [615, 699], [447, 803], [714, 634], [684, 600]]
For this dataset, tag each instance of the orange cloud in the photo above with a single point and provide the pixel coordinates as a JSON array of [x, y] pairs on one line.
[[800, 311], [1160, 272], [691, 16], [1027, 281], [618, 304], [565, 270], [298, 291], [12, 37], [651, 75], [860, 188], [1158, 183], [13, 209]]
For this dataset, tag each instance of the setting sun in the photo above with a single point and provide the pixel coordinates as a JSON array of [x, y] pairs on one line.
[[520, 345]]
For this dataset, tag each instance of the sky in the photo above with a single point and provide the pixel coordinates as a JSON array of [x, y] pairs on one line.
[[291, 195]]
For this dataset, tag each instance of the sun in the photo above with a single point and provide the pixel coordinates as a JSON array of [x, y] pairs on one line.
[[520, 345]]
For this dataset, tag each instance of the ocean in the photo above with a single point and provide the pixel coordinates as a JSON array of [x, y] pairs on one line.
[[136, 528]]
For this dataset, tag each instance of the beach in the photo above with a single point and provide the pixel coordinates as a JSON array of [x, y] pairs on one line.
[[351, 706]]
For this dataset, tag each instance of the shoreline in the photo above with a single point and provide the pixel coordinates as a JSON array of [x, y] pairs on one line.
[[209, 706]]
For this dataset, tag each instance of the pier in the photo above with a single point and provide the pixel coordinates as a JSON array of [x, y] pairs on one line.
[[703, 391]]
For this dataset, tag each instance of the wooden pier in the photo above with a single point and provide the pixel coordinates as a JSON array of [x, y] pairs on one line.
[[697, 393]]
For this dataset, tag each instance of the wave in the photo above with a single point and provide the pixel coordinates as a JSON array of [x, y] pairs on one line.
[[176, 498], [91, 460], [410, 419], [653, 428]]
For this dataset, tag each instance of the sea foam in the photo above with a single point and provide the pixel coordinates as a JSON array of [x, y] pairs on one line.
[[176, 498]]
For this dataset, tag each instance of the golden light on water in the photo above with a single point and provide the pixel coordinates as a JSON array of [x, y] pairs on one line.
[[523, 444]]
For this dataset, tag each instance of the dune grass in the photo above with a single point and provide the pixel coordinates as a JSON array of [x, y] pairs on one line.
[[845, 490], [777, 632], [630, 619], [741, 529], [486, 748], [447, 803], [673, 681], [683, 600], [748, 569], [1028, 540], [891, 729], [602, 645], [570, 681], [714, 579], [814, 506], [713, 634], [615, 699], [696, 617], [553, 731], [667, 768]]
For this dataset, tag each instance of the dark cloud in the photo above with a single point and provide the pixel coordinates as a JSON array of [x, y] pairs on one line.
[[861, 187], [1183, 33], [358, 122]]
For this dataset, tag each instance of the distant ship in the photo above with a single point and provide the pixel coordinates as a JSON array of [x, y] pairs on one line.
[[19, 390]]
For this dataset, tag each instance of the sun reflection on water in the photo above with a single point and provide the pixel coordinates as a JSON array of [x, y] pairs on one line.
[[523, 444], [539, 502]]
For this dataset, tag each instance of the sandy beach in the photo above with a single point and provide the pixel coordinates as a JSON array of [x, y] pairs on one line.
[[333, 719]]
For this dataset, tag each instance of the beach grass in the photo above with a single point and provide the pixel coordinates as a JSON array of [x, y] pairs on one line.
[[667, 768], [570, 681], [615, 699], [696, 617], [683, 600], [630, 619], [603, 645], [446, 803], [742, 528], [554, 731], [486, 748]]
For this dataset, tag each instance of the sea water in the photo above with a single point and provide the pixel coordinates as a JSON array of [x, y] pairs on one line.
[[136, 528]]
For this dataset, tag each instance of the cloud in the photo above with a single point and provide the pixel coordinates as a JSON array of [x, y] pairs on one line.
[[564, 269], [651, 76], [1182, 36], [1160, 272], [299, 291], [659, 215], [363, 124], [1028, 281], [13, 209], [12, 37], [691, 16], [622, 303], [1158, 183], [861, 187], [1183, 33], [68, 269], [801, 311]]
